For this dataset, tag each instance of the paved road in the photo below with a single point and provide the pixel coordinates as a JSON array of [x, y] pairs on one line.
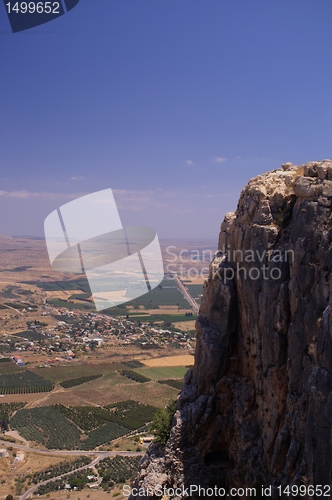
[[99, 455], [36, 486], [187, 296], [16, 310], [71, 452]]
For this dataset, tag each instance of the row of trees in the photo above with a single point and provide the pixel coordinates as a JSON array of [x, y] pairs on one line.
[[137, 377]]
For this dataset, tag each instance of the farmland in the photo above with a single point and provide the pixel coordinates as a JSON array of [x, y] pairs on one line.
[[131, 414], [83, 427], [163, 372], [166, 294], [7, 409], [78, 381], [92, 403], [87, 418], [79, 284], [79, 479], [158, 318], [24, 383], [117, 469], [59, 469], [103, 434], [47, 427], [134, 375], [61, 373], [195, 291], [7, 366], [176, 383], [182, 360]]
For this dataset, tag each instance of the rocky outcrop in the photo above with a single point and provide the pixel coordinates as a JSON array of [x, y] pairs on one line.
[[256, 409]]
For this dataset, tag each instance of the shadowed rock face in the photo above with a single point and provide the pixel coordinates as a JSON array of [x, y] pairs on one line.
[[257, 406]]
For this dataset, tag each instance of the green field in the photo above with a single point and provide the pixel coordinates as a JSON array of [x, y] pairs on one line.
[[118, 469], [196, 292], [79, 427], [46, 426], [80, 284], [176, 383], [166, 294], [25, 382], [7, 293], [73, 382], [162, 372], [62, 373], [71, 305], [171, 318], [7, 365]]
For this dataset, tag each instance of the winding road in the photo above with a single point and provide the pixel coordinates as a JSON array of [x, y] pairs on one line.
[[99, 455]]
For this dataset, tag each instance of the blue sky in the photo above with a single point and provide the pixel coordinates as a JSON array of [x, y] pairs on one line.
[[172, 104]]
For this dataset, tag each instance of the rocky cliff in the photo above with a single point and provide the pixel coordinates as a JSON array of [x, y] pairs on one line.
[[256, 409]]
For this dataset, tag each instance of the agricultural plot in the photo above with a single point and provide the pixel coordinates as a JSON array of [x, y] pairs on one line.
[[25, 292], [118, 469], [59, 469], [6, 411], [24, 383], [80, 296], [61, 373], [20, 269], [71, 305], [78, 381], [79, 427], [132, 364], [87, 418], [134, 375], [103, 434], [46, 426], [128, 414], [196, 292], [162, 372], [30, 335], [8, 366], [80, 284], [176, 383], [167, 294], [131, 414], [77, 479], [157, 318], [7, 293], [182, 360], [17, 305]]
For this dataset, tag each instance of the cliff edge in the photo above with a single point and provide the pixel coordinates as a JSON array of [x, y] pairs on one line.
[[256, 409]]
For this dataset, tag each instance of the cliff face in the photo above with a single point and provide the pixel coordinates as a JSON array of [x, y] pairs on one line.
[[257, 406]]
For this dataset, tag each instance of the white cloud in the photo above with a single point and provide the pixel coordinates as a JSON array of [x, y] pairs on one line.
[[25, 195], [190, 163], [219, 159], [76, 178]]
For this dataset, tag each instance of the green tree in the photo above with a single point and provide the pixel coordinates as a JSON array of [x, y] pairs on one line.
[[162, 423], [5, 421], [9, 497]]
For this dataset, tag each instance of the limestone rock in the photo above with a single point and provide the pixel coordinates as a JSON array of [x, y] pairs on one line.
[[257, 406]]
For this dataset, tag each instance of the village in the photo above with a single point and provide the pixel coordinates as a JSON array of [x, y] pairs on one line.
[[77, 333]]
